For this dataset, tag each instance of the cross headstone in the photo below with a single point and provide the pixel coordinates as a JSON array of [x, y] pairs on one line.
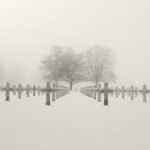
[[28, 90], [53, 94], [144, 91], [99, 93], [116, 92], [48, 93], [106, 92], [123, 92], [94, 92], [136, 91], [7, 91], [132, 92], [19, 91], [34, 90]]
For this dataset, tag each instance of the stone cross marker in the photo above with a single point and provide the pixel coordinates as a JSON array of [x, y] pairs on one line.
[[144, 91], [19, 91], [99, 93], [106, 92], [48, 94], [8, 91], [132, 92], [123, 92], [28, 90]]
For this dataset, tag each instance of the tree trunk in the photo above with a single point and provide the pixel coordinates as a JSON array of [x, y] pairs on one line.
[[71, 85], [96, 83]]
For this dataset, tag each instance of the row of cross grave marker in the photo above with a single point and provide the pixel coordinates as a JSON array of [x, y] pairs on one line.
[[95, 92], [53, 93]]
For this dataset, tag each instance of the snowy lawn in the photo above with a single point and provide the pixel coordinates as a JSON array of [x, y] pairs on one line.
[[74, 122]]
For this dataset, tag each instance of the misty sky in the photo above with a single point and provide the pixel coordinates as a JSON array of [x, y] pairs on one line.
[[28, 28]]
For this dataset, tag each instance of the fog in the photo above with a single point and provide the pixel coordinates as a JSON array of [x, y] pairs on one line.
[[28, 28]]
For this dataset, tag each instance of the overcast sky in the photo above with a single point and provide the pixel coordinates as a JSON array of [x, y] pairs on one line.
[[28, 28]]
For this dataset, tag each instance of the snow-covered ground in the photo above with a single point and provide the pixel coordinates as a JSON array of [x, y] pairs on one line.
[[74, 122]]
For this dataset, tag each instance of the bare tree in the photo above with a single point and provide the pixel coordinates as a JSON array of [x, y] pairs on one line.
[[63, 64], [73, 67], [100, 64]]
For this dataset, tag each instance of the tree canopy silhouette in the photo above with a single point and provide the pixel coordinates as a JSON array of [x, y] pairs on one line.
[[63, 64]]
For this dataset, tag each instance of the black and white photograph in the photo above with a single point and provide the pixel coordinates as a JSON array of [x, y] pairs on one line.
[[74, 75]]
